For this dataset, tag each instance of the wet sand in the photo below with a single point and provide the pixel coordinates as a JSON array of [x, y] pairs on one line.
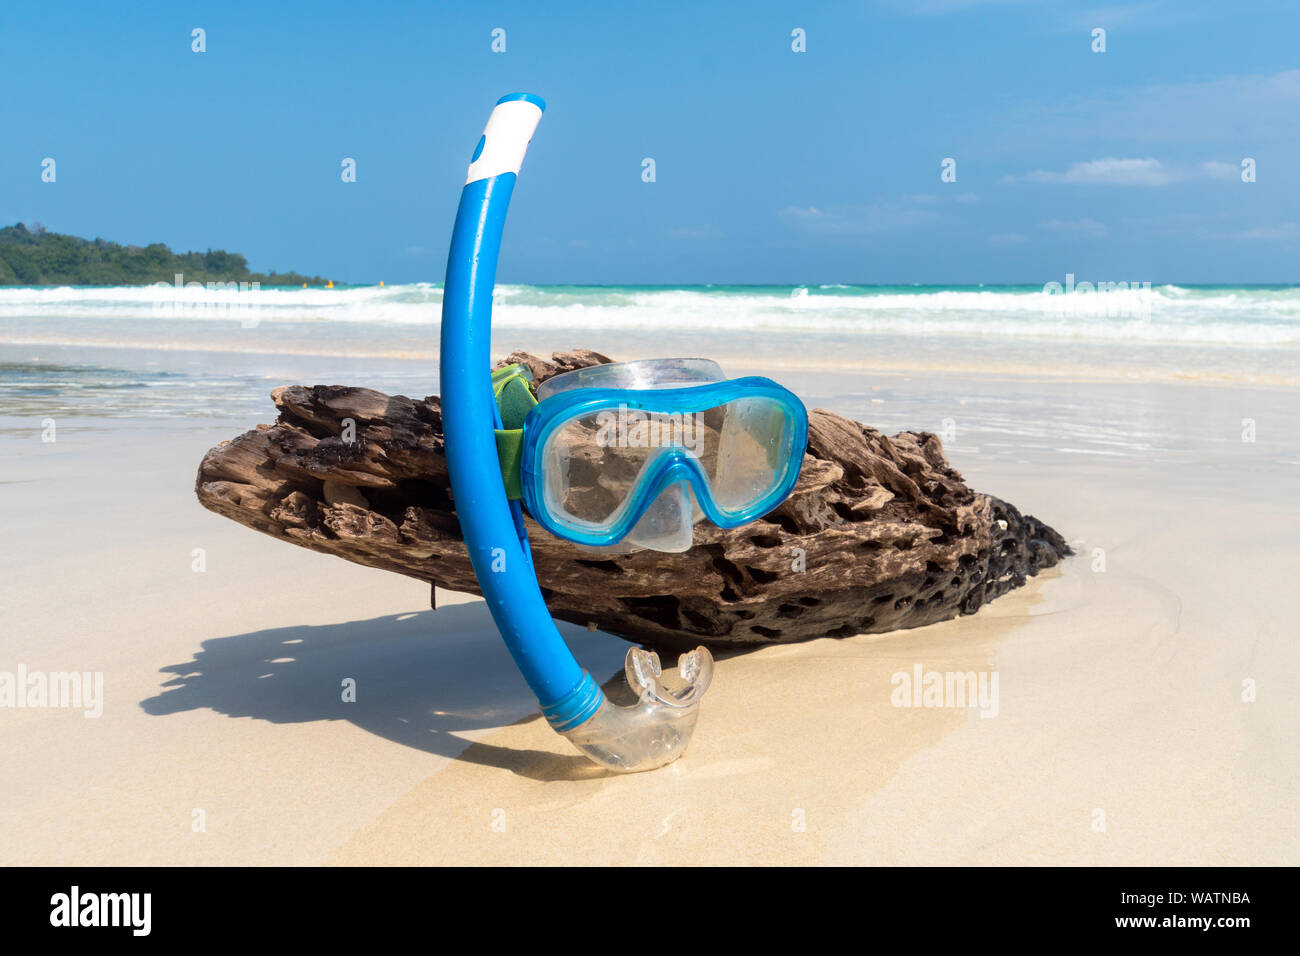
[[1121, 733]]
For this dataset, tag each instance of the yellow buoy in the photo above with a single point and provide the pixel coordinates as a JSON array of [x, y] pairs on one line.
[[304, 285], [381, 283], [331, 285]]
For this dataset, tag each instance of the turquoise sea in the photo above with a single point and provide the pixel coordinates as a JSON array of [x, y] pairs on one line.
[[164, 352]]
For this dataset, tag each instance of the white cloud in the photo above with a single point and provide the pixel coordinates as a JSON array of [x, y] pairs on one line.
[[1112, 171], [1218, 170], [1191, 225], [936, 7], [1147, 14], [1286, 232], [1008, 238], [857, 220], [930, 199], [1077, 228], [907, 212], [696, 232], [1239, 112], [1109, 171]]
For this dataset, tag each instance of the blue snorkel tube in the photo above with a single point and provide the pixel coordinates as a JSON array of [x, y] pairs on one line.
[[656, 729]]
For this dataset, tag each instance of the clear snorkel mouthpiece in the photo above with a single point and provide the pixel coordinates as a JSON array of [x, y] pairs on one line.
[[656, 729]]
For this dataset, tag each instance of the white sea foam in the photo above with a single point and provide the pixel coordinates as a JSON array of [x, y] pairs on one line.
[[1220, 316]]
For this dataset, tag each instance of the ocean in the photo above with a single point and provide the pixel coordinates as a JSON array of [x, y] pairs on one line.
[[160, 352], [1248, 316]]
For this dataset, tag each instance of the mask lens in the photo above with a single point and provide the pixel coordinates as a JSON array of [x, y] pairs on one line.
[[753, 453], [594, 462]]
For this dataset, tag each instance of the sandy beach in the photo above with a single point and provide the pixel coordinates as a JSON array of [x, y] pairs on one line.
[[1143, 713]]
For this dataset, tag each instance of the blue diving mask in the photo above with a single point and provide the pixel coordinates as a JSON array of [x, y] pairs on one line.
[[632, 455]]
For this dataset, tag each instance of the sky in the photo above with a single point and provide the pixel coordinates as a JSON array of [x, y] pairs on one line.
[[771, 165]]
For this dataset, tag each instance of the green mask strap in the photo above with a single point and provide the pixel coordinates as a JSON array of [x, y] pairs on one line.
[[514, 400]]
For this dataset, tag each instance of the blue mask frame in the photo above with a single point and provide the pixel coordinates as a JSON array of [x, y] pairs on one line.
[[670, 465]]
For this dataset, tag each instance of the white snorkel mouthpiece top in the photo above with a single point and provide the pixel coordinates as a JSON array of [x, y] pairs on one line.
[[505, 139]]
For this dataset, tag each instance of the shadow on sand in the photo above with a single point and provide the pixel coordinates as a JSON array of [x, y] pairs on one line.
[[421, 679]]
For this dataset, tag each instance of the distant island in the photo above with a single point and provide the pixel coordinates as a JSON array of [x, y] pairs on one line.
[[37, 257]]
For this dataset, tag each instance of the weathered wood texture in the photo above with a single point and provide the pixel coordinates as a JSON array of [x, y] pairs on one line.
[[880, 533]]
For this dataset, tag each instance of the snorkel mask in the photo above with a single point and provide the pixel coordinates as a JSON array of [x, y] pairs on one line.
[[619, 456], [632, 455]]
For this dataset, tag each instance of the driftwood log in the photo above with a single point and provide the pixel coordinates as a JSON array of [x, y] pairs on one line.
[[881, 533]]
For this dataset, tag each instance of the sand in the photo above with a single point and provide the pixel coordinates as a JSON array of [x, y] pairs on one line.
[[1121, 733]]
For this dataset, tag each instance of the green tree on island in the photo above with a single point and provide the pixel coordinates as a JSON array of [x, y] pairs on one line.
[[37, 257]]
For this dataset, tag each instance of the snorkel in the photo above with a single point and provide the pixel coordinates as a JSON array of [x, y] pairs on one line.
[[656, 729]]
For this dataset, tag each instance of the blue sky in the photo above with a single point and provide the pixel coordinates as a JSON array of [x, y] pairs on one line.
[[772, 166]]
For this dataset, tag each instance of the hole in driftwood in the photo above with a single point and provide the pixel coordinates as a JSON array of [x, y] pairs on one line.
[[729, 571], [427, 494], [659, 608], [845, 511], [697, 620], [788, 524]]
